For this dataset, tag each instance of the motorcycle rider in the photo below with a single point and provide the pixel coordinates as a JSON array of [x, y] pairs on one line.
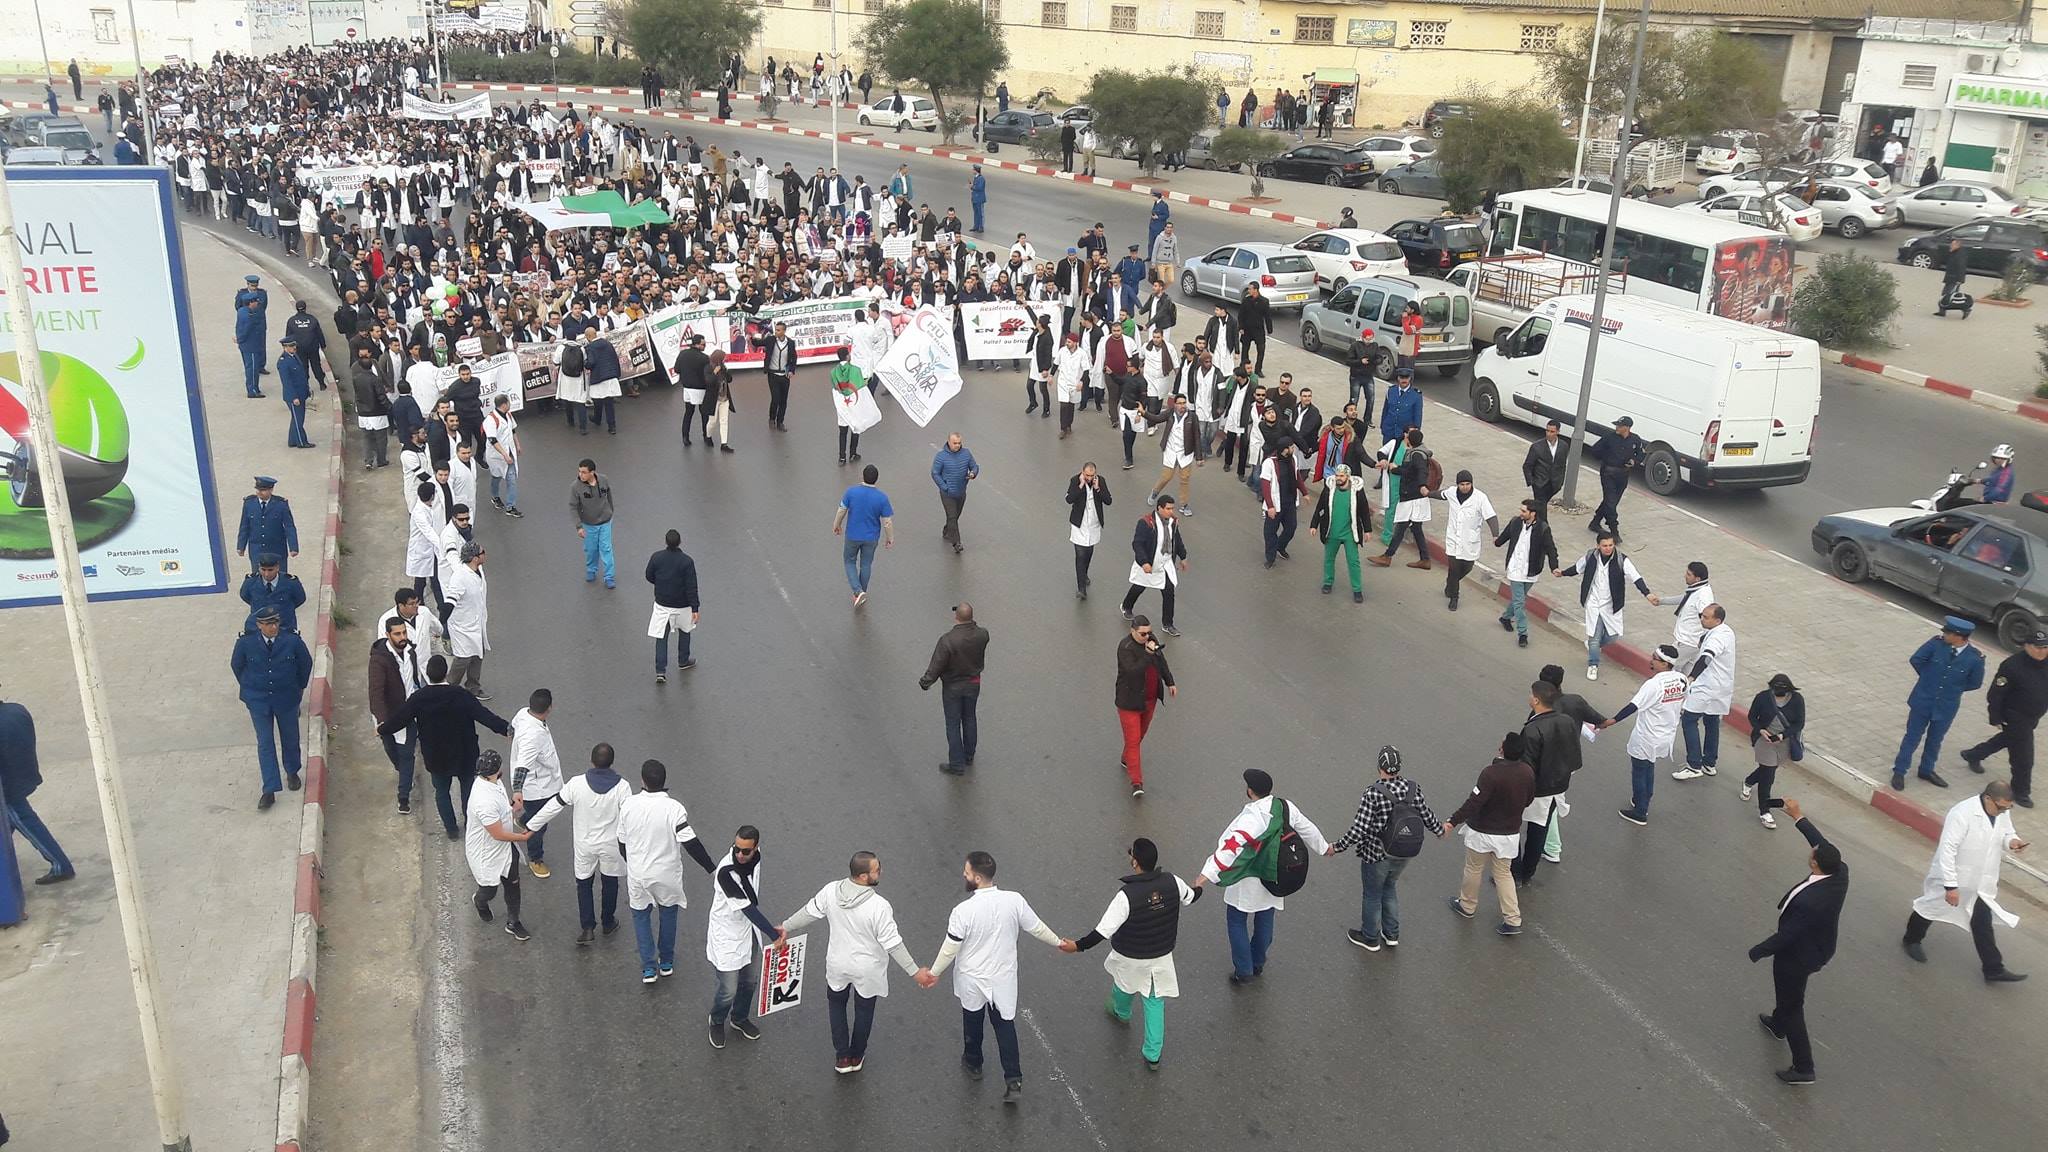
[[1998, 481]]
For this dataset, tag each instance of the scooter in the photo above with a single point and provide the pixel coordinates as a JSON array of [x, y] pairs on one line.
[[1950, 494]]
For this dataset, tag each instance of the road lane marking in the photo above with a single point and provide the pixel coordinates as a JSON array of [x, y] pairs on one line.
[[1059, 1077], [1682, 512]]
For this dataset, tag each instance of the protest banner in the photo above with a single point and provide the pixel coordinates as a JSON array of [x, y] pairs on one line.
[[782, 977], [336, 185], [498, 375], [897, 247], [819, 327], [999, 329], [671, 327], [636, 351], [921, 370], [537, 370], [544, 169], [477, 107]]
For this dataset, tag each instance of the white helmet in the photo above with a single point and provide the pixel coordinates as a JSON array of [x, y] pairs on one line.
[[2002, 452]]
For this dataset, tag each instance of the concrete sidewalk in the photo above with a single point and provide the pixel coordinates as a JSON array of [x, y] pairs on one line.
[[227, 887]]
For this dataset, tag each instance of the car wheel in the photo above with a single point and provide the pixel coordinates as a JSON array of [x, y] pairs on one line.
[[1382, 364], [1898, 213], [863, 120], [1921, 260], [1848, 562], [1311, 340], [1187, 285], [1660, 471], [1337, 285], [1332, 180], [1448, 371], [1851, 228], [2015, 625], [1486, 401], [932, 128], [1265, 171], [1436, 131], [1207, 164], [1390, 188]]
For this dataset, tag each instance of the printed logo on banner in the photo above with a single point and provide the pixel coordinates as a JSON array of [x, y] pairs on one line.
[[921, 369], [782, 977]]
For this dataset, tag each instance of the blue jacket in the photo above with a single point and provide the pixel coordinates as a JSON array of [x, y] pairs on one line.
[[19, 772], [260, 295], [267, 529], [1159, 214], [274, 673], [601, 360], [979, 187], [287, 597], [1402, 411], [250, 330], [950, 469], [1945, 674], [1998, 485], [291, 378], [1131, 271]]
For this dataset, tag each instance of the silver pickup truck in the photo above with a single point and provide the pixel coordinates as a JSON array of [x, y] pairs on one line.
[[1506, 289]]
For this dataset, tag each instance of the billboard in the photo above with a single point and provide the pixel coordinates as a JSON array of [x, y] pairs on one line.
[[107, 279]]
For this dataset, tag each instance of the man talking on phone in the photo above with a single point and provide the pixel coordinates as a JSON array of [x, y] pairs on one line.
[[1142, 680]]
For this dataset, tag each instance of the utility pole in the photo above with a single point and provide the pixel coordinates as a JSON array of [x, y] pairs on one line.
[[49, 75], [831, 96], [99, 729], [1586, 105], [1621, 146], [142, 92]]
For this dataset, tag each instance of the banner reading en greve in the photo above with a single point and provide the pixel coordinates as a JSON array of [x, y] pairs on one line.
[[819, 327], [999, 329], [106, 286], [782, 977]]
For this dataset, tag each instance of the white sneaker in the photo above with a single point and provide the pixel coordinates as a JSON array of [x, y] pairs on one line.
[[1592, 671], [1558, 859], [1710, 770], [1747, 791], [1687, 774], [1766, 821]]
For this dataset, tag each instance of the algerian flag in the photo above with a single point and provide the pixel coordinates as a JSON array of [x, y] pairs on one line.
[[597, 210]]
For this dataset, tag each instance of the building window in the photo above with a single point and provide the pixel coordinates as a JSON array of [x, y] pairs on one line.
[[1123, 18], [1209, 25], [1539, 37], [1315, 30], [1428, 33], [1918, 76], [1053, 14], [103, 26], [821, 3], [872, 7], [992, 11]]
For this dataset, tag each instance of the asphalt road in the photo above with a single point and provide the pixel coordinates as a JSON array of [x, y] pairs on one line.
[[803, 717]]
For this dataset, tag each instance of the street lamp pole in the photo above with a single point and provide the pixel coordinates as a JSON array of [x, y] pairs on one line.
[[1586, 105], [1621, 146], [142, 92], [99, 730], [831, 96], [49, 74]]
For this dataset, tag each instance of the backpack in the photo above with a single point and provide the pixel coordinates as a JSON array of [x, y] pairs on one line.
[[1402, 837], [572, 360], [1433, 478], [1290, 867]]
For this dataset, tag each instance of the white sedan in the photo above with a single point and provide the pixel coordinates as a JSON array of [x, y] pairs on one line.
[[1787, 213], [1388, 151], [1728, 152], [918, 112], [1341, 255], [1793, 177]]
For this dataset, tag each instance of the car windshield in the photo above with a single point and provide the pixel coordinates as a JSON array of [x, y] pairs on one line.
[[1462, 236], [1378, 250], [1285, 264], [68, 138], [1865, 191]]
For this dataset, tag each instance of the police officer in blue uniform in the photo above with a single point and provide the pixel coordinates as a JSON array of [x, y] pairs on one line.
[[268, 587], [1944, 668], [267, 526], [273, 667], [291, 381], [251, 290]]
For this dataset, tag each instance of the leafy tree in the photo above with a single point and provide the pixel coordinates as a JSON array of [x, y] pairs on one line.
[[1692, 83], [1508, 143], [689, 40], [1846, 302], [942, 45], [1156, 111], [1251, 147]]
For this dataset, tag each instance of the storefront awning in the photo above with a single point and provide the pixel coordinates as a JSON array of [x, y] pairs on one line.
[[1337, 76]]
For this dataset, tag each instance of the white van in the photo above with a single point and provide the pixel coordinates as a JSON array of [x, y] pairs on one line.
[[1718, 403]]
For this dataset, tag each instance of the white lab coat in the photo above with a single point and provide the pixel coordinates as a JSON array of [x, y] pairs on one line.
[[449, 556], [1598, 610], [533, 748], [1410, 509], [870, 344], [469, 592], [462, 482], [1687, 631], [1250, 823], [423, 539], [489, 857], [1465, 524], [597, 824], [654, 826], [730, 939], [1714, 691], [1068, 366], [1968, 856], [1133, 977], [863, 934], [985, 970]]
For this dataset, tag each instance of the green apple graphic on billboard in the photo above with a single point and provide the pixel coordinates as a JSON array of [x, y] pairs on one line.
[[92, 442]]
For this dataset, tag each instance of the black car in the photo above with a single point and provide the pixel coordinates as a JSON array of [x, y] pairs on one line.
[[1438, 245], [1442, 110], [1017, 125], [1991, 244], [1322, 164], [1975, 561]]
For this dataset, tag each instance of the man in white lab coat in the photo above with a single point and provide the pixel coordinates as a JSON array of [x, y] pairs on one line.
[[1686, 632], [981, 935], [468, 621], [1710, 689], [737, 930], [1604, 575], [1962, 880], [1248, 905], [1466, 508], [536, 770], [864, 940], [597, 796], [487, 843], [654, 829]]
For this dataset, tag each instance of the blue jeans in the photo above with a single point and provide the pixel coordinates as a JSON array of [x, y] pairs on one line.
[[1642, 781], [661, 649], [860, 562], [401, 757], [961, 730], [643, 931], [1517, 610], [586, 900], [1935, 726], [506, 488], [277, 726], [733, 995], [37, 833], [1697, 756], [1006, 1040], [1600, 638], [597, 546], [853, 1044], [252, 366], [1248, 944], [1380, 909]]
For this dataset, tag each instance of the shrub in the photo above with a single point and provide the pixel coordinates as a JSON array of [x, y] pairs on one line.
[[1045, 147], [574, 67], [2041, 357], [1846, 302], [1249, 147], [2012, 287], [954, 121]]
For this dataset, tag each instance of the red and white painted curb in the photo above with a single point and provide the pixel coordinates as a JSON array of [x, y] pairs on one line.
[[2027, 408]]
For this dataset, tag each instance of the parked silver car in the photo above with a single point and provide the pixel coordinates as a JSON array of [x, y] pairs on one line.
[[1368, 312], [1949, 202], [1852, 208], [1285, 277]]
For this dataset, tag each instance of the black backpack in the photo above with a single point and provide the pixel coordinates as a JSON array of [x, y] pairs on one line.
[[1404, 832], [1291, 866], [572, 360]]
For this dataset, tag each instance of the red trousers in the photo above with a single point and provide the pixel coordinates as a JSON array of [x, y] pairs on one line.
[[1136, 724]]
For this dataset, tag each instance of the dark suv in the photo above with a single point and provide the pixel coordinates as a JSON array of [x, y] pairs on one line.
[[1442, 110], [1991, 244]]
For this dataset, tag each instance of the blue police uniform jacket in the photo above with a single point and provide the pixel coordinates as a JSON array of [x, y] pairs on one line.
[[267, 529], [291, 377], [1403, 410], [287, 597], [249, 331], [1945, 674], [274, 673]]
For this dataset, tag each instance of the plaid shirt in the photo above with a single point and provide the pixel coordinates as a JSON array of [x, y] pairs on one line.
[[1374, 810]]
